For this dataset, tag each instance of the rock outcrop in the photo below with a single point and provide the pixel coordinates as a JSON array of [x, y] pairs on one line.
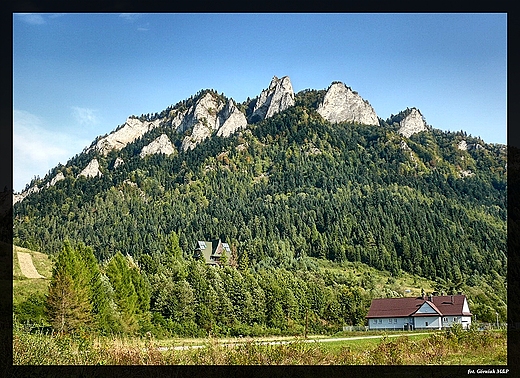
[[278, 97], [161, 145], [203, 117], [231, 119], [59, 176], [21, 196], [118, 162], [35, 189], [342, 104], [463, 145], [413, 123], [208, 115], [466, 173], [130, 131], [91, 170]]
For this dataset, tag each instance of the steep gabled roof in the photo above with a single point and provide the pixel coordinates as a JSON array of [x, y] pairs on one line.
[[426, 304], [212, 250], [447, 305]]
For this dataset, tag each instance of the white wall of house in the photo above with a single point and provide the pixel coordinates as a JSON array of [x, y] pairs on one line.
[[428, 322], [465, 306], [389, 323], [464, 321]]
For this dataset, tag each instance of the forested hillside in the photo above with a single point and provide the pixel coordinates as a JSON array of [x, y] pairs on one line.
[[289, 187]]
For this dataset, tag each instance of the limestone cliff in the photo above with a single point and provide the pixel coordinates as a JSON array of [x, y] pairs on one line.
[[203, 117], [161, 145], [21, 196], [91, 170], [209, 114], [132, 129], [59, 176], [278, 97], [231, 119], [342, 104], [413, 123], [118, 162], [463, 145]]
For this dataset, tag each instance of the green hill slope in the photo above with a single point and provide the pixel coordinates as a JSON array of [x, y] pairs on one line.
[[29, 293], [288, 187]]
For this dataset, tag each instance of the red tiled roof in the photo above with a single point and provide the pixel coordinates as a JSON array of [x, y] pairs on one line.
[[450, 304], [402, 307]]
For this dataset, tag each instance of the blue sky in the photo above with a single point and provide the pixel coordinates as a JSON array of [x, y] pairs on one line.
[[77, 76]]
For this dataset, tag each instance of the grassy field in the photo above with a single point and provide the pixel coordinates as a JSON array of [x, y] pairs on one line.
[[406, 284], [439, 348], [23, 288]]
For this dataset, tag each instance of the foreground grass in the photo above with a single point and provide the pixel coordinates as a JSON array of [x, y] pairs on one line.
[[443, 348]]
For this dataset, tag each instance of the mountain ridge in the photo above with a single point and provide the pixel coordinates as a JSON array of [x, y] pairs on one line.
[[209, 113]]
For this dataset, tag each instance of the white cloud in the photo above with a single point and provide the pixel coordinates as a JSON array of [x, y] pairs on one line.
[[37, 149], [85, 116], [31, 18]]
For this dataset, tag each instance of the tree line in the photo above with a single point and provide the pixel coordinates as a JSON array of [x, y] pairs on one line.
[[168, 294]]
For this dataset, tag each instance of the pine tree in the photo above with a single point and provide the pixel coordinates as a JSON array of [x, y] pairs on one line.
[[69, 303]]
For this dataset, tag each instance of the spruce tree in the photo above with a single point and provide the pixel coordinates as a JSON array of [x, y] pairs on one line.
[[125, 295], [98, 291]]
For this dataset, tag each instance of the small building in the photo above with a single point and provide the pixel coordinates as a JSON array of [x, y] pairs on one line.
[[211, 251], [432, 312]]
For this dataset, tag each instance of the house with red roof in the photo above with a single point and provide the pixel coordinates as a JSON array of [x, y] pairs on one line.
[[431, 312]]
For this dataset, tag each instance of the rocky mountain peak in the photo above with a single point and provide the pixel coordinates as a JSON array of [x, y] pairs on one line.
[[342, 104], [208, 115], [413, 123], [276, 98], [231, 119]]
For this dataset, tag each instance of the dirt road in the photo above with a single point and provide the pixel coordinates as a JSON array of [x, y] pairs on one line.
[[327, 340], [27, 266]]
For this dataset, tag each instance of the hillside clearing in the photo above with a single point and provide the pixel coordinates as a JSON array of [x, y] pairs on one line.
[[26, 265]]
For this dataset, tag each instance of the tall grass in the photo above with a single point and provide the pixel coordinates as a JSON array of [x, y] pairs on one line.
[[448, 347]]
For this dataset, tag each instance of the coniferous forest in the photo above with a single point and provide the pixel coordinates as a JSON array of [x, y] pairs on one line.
[[285, 193]]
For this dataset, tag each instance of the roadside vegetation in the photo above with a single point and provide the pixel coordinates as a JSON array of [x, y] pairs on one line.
[[450, 347]]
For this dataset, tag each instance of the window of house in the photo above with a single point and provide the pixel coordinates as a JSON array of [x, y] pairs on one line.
[[444, 319], [395, 320], [455, 319], [380, 321], [389, 320], [426, 323]]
